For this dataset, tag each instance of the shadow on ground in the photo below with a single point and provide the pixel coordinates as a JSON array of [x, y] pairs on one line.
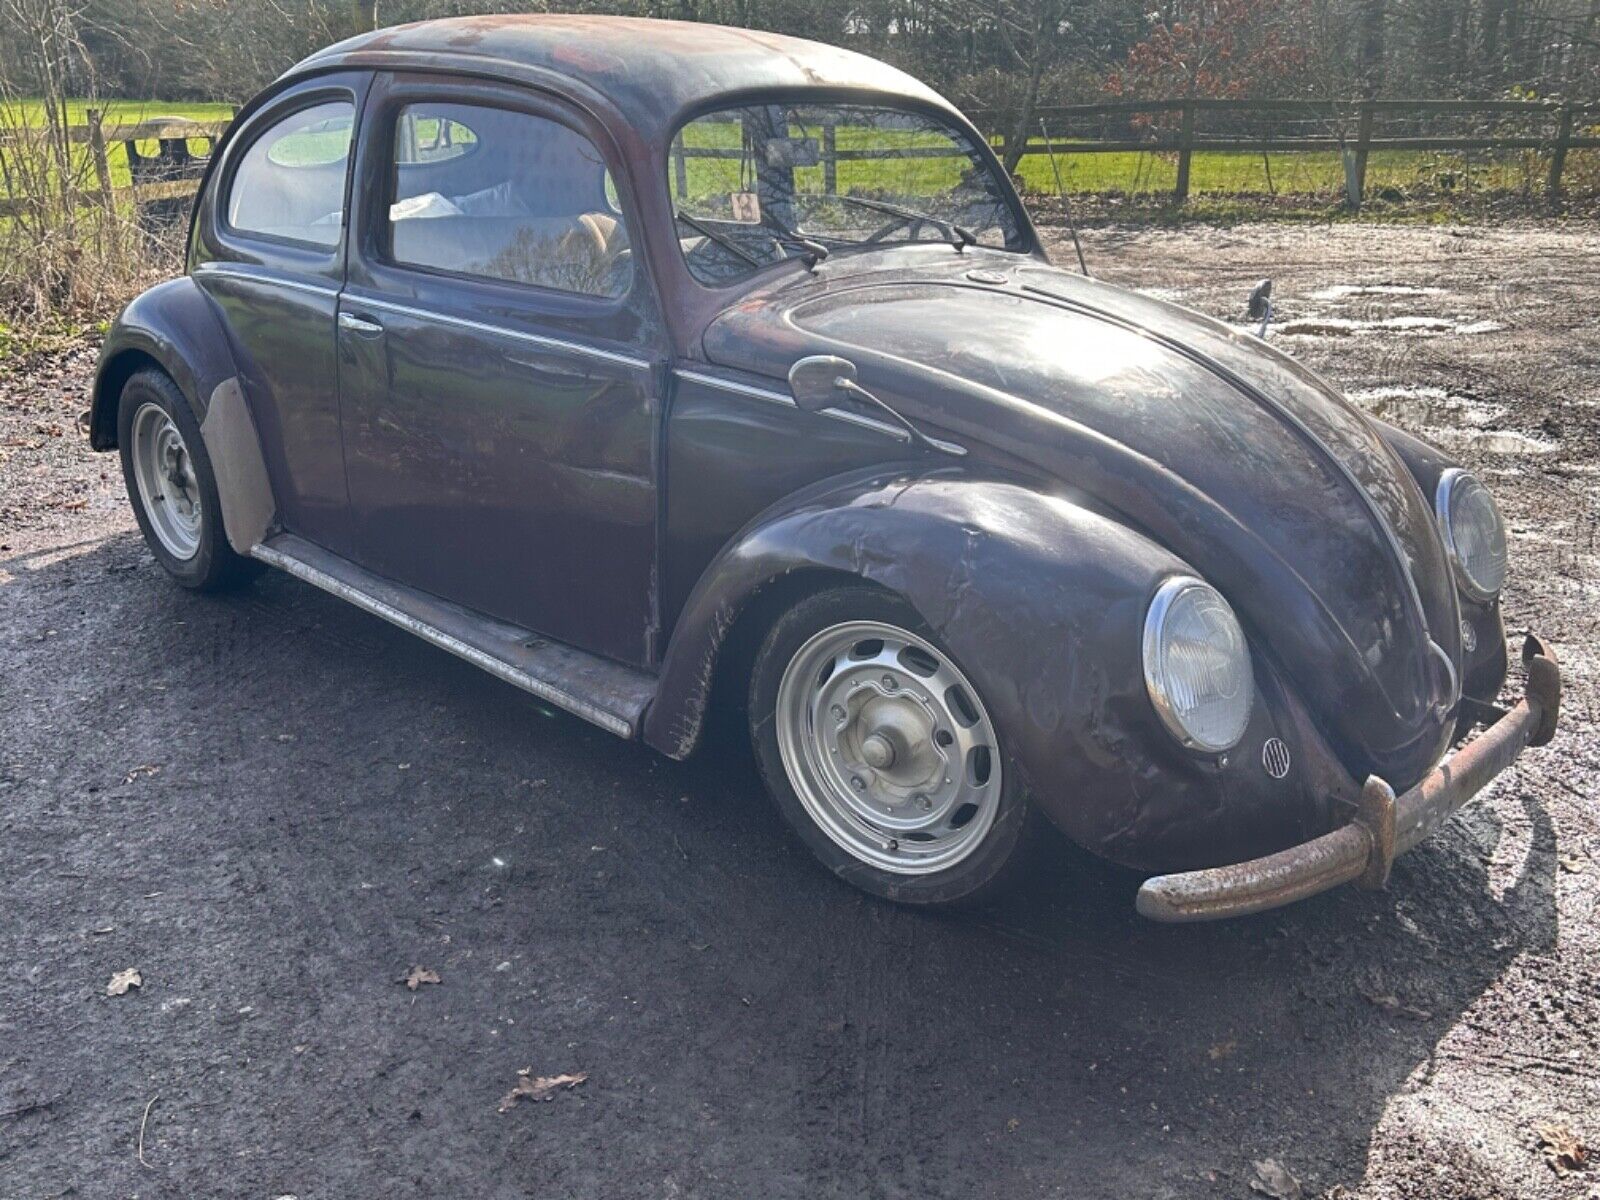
[[273, 805]]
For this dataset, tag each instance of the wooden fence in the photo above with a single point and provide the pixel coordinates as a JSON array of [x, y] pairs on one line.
[[172, 172], [1354, 129], [1177, 127]]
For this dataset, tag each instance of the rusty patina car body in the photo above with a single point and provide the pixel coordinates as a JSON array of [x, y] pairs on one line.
[[614, 500]]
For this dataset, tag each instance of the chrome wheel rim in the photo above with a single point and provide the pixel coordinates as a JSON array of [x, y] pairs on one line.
[[888, 747], [164, 473]]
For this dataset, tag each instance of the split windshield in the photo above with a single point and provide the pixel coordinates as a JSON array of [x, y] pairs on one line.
[[755, 185]]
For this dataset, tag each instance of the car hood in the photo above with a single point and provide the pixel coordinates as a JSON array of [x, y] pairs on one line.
[[1226, 451]]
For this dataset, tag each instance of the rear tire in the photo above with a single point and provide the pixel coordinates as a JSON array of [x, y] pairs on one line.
[[881, 755], [172, 487]]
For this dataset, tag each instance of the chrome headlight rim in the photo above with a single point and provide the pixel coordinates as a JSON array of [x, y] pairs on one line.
[[1450, 482], [1155, 619]]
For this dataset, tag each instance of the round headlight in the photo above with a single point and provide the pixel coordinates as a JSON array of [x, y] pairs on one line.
[[1197, 665], [1473, 533]]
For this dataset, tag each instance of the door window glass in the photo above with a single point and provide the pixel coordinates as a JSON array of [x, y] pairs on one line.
[[290, 182], [505, 195]]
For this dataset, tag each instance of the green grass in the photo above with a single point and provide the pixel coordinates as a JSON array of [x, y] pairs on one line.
[[1319, 172]]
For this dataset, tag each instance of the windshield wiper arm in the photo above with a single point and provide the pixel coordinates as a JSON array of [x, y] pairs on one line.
[[726, 243], [958, 236]]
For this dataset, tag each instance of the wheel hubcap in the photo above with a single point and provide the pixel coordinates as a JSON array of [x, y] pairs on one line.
[[164, 474], [888, 747]]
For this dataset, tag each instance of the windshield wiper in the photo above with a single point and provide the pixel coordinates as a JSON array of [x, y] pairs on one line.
[[958, 236], [726, 243], [815, 252]]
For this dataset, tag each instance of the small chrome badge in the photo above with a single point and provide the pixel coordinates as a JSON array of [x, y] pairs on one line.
[[1275, 757], [980, 275]]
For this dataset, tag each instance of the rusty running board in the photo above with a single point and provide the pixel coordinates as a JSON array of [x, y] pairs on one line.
[[1385, 825], [602, 692]]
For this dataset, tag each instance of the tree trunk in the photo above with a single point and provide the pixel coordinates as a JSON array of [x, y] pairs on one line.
[[365, 15]]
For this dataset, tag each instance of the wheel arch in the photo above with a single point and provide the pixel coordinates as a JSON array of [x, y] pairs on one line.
[[990, 566], [171, 327], [175, 329]]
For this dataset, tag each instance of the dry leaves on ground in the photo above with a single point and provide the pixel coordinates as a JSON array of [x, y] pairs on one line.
[[543, 1087], [1563, 1149], [1273, 1179], [418, 976], [140, 772], [123, 980]]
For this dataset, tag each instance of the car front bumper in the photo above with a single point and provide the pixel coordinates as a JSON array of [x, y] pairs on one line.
[[1385, 825]]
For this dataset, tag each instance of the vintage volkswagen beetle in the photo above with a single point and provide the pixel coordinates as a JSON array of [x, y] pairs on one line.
[[644, 363]]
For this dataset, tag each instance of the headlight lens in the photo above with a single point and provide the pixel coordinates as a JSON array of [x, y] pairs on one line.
[[1197, 665], [1473, 533]]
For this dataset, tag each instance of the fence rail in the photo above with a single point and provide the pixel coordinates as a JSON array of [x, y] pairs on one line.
[[170, 174], [1350, 128]]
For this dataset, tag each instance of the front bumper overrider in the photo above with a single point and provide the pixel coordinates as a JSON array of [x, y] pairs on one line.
[[1385, 825]]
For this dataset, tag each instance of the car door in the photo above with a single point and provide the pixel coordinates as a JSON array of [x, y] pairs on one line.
[[269, 250], [497, 365]]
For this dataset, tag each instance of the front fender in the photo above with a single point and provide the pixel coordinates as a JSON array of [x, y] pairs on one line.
[[1042, 603]]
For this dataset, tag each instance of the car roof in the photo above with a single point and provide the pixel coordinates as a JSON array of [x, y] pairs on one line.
[[654, 73]]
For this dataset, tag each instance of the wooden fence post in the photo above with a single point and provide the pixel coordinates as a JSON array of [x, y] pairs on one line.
[[1558, 156], [1180, 193], [1363, 148], [680, 168], [830, 159], [102, 164]]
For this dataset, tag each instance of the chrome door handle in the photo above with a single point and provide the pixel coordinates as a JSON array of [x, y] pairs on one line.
[[360, 325]]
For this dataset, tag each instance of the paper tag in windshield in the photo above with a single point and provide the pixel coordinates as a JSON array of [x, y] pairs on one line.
[[746, 207]]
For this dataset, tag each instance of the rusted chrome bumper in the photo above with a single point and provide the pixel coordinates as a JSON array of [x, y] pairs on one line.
[[1385, 825]]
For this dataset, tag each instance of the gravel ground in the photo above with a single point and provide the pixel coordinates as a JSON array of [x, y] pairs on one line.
[[274, 807]]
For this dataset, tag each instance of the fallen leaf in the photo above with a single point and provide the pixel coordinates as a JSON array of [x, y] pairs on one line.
[[418, 976], [1392, 1004], [1272, 1178], [123, 980], [1564, 1152], [138, 772], [544, 1087], [1572, 863], [1222, 1050]]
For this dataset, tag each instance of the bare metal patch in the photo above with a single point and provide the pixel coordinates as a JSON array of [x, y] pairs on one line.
[[243, 488]]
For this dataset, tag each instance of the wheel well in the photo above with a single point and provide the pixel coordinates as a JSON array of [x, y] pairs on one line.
[[725, 705], [114, 377]]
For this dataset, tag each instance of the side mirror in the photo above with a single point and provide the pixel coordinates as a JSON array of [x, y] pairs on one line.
[[819, 381]]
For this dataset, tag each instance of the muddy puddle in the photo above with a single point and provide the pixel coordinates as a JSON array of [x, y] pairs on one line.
[[1449, 421]]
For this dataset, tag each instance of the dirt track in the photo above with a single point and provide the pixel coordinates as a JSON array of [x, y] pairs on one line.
[[274, 806]]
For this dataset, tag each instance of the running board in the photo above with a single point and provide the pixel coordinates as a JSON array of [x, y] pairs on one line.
[[608, 694]]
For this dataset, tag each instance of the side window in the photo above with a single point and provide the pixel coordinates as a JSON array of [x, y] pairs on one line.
[[290, 182], [505, 195]]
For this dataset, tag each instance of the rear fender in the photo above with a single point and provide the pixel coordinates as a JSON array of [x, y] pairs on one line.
[[174, 326]]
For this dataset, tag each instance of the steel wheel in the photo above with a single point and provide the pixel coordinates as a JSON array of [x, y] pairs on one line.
[[164, 474], [888, 747]]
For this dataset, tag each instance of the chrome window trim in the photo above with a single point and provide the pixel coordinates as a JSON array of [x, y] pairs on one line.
[[532, 339], [237, 271]]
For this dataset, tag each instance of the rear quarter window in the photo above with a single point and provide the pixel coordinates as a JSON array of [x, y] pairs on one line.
[[289, 185]]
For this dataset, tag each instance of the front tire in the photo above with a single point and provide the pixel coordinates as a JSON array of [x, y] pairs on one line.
[[881, 754], [172, 486]]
